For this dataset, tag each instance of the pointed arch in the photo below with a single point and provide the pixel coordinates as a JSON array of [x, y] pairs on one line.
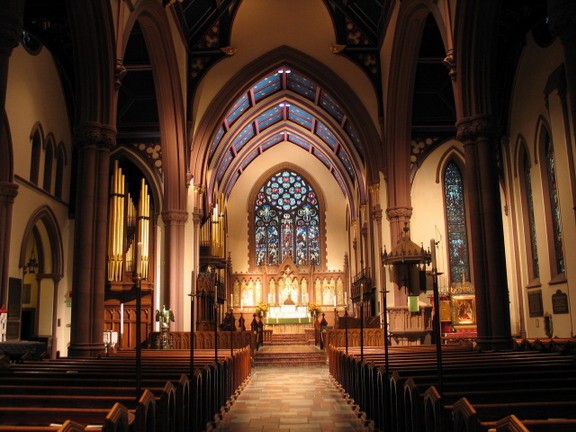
[[149, 174], [356, 113], [259, 183], [37, 143], [548, 175], [49, 156], [523, 171], [453, 153], [46, 216], [456, 220], [153, 23], [61, 163]]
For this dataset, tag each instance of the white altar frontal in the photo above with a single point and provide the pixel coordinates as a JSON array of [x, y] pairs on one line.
[[288, 319]]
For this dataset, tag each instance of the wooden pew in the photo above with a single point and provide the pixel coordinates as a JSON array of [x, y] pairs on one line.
[[482, 376], [107, 379]]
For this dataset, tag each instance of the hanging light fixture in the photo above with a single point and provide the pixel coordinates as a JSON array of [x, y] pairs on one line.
[[32, 264]]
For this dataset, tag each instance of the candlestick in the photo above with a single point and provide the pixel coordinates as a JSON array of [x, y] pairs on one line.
[[193, 284], [215, 294]]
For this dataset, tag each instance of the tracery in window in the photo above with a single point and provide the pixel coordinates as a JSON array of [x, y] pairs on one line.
[[456, 224], [554, 203], [530, 225], [286, 221]]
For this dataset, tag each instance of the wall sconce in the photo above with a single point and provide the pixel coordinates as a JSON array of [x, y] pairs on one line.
[[32, 264]]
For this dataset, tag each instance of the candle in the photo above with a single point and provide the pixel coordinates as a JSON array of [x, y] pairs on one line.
[[345, 297], [334, 300], [215, 294], [361, 292], [433, 254], [138, 257], [192, 284], [241, 305], [231, 300], [121, 318]]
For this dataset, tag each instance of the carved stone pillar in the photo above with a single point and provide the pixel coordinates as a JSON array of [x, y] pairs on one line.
[[94, 142], [488, 261], [8, 192], [174, 221], [11, 16]]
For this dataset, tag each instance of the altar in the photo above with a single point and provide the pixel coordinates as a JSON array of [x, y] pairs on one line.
[[288, 319]]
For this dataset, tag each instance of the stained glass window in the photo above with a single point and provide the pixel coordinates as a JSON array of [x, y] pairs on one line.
[[286, 221], [529, 205], [554, 203], [456, 223]]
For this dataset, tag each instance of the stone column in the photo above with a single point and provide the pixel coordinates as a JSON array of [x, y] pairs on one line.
[[94, 143], [11, 16], [174, 221], [488, 261], [8, 192]]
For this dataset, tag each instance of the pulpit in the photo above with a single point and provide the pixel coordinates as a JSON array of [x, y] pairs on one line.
[[410, 328]]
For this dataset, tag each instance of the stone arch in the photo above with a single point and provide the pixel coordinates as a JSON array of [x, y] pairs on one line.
[[154, 24], [321, 203], [326, 78], [45, 215]]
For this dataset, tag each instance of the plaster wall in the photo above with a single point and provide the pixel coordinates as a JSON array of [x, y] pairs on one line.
[[528, 106]]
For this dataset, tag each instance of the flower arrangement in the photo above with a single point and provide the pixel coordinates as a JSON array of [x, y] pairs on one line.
[[314, 309], [262, 309]]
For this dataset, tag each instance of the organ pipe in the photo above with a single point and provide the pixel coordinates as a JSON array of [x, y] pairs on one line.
[[128, 225]]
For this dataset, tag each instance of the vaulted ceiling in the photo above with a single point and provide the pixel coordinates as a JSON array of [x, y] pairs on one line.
[[282, 107]]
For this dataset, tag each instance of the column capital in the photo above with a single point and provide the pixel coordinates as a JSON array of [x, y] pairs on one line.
[[8, 191], [95, 134], [174, 217], [471, 129], [398, 213], [376, 213], [11, 22]]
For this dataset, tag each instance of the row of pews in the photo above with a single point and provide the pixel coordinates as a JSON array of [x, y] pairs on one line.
[[518, 390], [101, 394]]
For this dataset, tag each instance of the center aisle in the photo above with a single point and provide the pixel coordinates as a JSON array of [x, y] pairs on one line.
[[297, 398]]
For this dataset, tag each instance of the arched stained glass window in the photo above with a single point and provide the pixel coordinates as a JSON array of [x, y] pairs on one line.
[[456, 224], [554, 204], [528, 215], [287, 221]]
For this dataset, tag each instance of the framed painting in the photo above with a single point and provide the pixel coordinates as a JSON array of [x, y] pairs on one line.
[[463, 309]]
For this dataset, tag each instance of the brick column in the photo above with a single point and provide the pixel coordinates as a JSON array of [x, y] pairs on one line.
[[488, 261]]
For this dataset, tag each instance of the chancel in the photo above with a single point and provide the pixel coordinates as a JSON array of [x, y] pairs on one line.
[[211, 192]]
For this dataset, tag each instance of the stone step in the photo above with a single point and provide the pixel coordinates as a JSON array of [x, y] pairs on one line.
[[288, 339], [296, 355]]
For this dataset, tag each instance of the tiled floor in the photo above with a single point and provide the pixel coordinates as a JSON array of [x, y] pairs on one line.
[[290, 399]]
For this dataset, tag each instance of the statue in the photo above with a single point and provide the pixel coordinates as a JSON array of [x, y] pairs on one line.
[[164, 317]]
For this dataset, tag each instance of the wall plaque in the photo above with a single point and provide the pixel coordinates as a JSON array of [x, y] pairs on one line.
[[535, 304], [560, 302]]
